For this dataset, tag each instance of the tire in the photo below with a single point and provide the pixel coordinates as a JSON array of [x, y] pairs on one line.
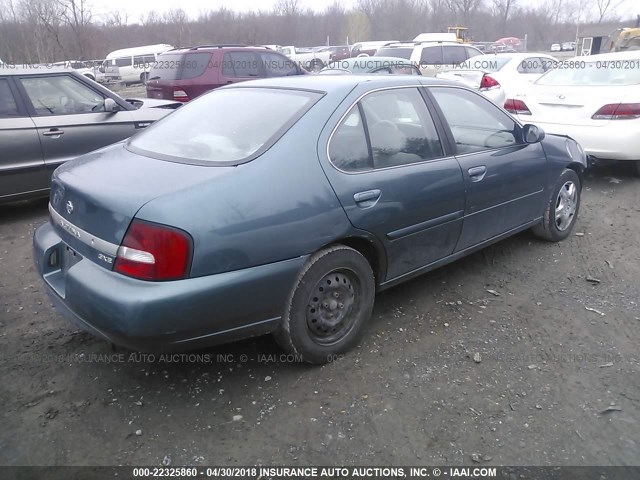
[[329, 305], [562, 208]]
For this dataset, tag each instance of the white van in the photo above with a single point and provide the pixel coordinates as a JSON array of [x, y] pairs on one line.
[[132, 65]]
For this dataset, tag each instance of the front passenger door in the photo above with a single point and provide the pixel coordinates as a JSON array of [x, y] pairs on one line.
[[504, 176], [71, 119]]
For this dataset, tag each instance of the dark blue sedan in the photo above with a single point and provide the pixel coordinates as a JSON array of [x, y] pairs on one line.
[[281, 206]]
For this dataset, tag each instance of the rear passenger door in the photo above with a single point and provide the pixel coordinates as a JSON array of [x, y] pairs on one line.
[[241, 66], [70, 117], [21, 165], [395, 178], [504, 176]]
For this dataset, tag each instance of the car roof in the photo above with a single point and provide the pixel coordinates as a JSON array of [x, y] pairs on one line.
[[517, 55], [333, 83], [211, 48]]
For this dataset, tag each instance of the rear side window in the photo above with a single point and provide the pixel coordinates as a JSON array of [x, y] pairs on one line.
[[124, 62], [8, 106], [348, 148], [401, 130], [241, 65], [453, 55], [227, 126], [278, 65], [431, 56], [472, 52]]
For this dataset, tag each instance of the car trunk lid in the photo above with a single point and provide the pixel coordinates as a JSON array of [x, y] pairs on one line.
[[571, 105], [95, 197]]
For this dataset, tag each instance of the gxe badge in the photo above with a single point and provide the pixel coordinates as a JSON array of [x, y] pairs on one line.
[[69, 207]]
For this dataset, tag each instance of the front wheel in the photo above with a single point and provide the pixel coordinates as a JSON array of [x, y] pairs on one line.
[[561, 212], [329, 305]]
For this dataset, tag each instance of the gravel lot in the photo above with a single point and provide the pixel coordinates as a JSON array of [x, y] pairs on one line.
[[501, 358]]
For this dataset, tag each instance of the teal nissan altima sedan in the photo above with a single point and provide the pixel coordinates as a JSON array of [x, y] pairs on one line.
[[282, 206]]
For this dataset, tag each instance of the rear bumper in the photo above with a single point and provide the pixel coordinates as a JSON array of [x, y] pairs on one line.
[[616, 141], [165, 316]]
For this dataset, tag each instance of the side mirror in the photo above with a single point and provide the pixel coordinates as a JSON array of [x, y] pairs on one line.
[[110, 105], [532, 133]]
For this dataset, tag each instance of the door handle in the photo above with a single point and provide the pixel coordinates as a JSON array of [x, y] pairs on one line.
[[53, 132], [368, 198], [477, 173]]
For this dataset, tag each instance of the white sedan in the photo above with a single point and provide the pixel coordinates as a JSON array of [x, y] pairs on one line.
[[595, 100], [497, 76]]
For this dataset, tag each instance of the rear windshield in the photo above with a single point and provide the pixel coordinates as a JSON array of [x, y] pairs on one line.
[[179, 66], [395, 52], [226, 126], [604, 72]]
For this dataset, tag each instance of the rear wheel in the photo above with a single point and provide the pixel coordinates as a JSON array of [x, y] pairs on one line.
[[562, 208], [329, 305]]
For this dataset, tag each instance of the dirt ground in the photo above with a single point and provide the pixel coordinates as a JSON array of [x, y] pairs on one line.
[[448, 372]]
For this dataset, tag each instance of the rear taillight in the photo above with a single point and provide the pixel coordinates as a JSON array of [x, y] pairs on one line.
[[154, 252], [488, 82], [517, 107], [618, 111], [180, 95]]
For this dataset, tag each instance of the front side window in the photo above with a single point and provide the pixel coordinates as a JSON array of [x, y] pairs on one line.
[[226, 126], [401, 130], [475, 122], [8, 106], [61, 95]]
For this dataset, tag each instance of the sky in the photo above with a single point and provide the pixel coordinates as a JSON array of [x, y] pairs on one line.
[[135, 9]]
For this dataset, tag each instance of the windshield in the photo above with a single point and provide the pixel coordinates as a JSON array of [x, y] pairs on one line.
[[395, 52], [603, 72], [225, 126]]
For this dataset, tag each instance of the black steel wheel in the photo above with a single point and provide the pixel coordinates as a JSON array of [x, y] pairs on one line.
[[329, 305]]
